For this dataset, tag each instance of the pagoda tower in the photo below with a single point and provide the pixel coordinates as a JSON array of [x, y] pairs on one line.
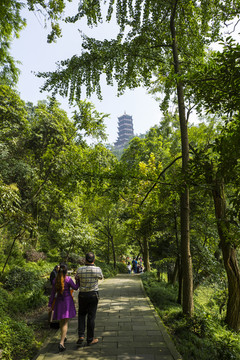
[[125, 130]]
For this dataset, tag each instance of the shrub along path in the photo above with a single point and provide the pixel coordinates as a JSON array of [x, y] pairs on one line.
[[127, 327]]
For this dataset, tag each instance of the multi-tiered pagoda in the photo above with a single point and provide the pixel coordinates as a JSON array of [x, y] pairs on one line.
[[125, 130]]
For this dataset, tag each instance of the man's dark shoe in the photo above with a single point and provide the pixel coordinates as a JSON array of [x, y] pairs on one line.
[[80, 341], [93, 342]]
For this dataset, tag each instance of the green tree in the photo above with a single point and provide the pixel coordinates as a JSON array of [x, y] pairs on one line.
[[147, 189], [62, 168], [152, 35], [216, 87], [215, 84], [101, 199], [42, 166], [13, 117], [11, 24], [213, 167]]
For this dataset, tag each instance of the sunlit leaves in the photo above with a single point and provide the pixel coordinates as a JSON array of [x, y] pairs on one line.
[[12, 115], [41, 153], [76, 234], [11, 24], [89, 121], [217, 83], [9, 201]]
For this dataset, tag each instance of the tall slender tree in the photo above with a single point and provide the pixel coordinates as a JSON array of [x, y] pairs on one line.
[[216, 87]]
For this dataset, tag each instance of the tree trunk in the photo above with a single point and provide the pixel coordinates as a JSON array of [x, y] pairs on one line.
[[69, 250], [186, 259], [19, 235], [141, 247], [177, 269], [113, 251], [229, 257], [108, 252], [178, 260], [175, 273], [146, 261], [180, 281], [49, 221]]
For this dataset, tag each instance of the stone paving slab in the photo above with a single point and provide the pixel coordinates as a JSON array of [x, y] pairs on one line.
[[127, 326]]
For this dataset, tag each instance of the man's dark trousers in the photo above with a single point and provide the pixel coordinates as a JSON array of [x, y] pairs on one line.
[[87, 306]]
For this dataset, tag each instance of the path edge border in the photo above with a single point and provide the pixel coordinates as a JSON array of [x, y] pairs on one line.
[[167, 338]]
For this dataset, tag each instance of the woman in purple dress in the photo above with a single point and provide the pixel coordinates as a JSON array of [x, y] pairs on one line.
[[64, 308]]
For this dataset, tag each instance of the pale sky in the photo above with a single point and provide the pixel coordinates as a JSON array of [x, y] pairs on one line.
[[35, 54]]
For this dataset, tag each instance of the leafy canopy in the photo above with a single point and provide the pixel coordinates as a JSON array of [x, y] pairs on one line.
[[143, 47], [11, 24], [216, 84]]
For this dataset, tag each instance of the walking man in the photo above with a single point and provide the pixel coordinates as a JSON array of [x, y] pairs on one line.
[[88, 276]]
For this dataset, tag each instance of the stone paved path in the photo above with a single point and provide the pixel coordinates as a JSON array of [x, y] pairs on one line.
[[127, 327]]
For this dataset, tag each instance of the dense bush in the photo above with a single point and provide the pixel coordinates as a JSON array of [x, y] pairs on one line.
[[25, 291], [19, 277], [107, 269], [206, 333], [122, 268], [52, 255], [76, 260], [202, 337], [4, 297], [24, 301], [16, 339], [72, 260]]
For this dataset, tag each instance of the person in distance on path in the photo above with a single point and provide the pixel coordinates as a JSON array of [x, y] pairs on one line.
[[129, 268], [87, 276], [134, 265], [53, 276]]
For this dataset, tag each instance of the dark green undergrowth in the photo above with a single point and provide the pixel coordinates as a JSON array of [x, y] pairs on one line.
[[108, 269], [203, 337], [23, 290]]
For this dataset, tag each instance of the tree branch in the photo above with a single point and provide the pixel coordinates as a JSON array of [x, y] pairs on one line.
[[162, 172]]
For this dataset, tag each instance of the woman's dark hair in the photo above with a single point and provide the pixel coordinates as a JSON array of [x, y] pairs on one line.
[[62, 272]]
